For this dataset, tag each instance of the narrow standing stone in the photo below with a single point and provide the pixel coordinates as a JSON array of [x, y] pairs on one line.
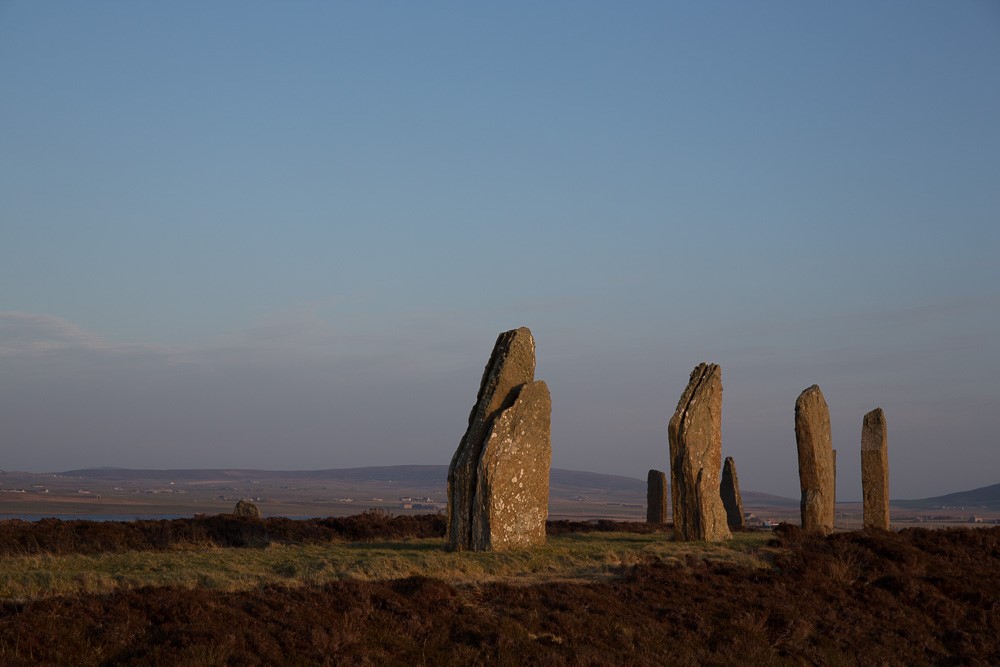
[[875, 470], [695, 435], [511, 502], [834, 501], [656, 497], [816, 461], [731, 498], [511, 364]]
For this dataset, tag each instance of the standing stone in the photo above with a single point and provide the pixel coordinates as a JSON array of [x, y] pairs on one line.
[[731, 498], [247, 509], [816, 461], [875, 470], [511, 364], [834, 452], [656, 497], [695, 435], [511, 502]]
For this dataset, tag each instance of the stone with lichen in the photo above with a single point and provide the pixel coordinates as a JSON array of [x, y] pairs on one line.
[[511, 502], [817, 475], [245, 508], [508, 425], [695, 437], [875, 470]]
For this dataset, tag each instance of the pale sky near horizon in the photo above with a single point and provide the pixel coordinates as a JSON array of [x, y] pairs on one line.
[[285, 236]]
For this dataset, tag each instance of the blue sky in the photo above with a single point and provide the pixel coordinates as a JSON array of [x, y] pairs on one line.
[[285, 236]]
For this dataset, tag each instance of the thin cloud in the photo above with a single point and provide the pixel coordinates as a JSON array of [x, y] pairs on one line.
[[34, 334], [905, 316], [293, 338]]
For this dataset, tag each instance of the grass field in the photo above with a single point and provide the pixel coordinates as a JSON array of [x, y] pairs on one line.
[[574, 557], [590, 597]]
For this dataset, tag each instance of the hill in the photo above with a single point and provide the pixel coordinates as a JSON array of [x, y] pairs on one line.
[[985, 497], [423, 474]]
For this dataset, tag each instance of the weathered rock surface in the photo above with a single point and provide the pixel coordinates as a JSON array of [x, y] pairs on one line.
[[511, 365], [511, 502], [875, 470], [729, 491], [816, 461], [695, 435], [834, 501], [248, 509], [656, 497]]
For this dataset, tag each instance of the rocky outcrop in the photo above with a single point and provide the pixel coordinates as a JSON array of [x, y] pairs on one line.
[[875, 470], [511, 366], [732, 501], [695, 435], [511, 502], [816, 461], [656, 497]]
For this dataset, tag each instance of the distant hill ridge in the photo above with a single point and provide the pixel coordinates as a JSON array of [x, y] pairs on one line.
[[986, 497], [371, 473], [405, 473], [566, 481]]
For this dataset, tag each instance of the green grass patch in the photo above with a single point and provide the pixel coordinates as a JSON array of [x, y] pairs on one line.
[[570, 557]]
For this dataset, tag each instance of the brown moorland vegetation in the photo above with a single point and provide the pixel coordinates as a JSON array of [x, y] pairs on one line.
[[914, 597], [56, 536]]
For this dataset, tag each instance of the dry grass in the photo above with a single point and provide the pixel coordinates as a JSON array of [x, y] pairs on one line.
[[915, 597], [571, 557]]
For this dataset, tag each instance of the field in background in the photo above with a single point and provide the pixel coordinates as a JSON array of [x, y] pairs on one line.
[[400, 490], [129, 494]]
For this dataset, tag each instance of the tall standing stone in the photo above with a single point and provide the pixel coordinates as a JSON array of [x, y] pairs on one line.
[[729, 491], [695, 435], [511, 365], [511, 502], [656, 497], [875, 470], [816, 461]]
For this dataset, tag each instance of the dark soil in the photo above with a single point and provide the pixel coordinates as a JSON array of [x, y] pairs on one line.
[[910, 598]]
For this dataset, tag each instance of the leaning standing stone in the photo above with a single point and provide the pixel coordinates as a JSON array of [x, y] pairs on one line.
[[695, 435], [511, 502], [656, 497], [731, 498], [875, 470], [816, 462], [511, 364]]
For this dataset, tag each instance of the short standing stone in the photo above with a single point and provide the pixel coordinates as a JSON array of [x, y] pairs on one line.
[[816, 461], [511, 364], [656, 497], [511, 502], [247, 509], [875, 470], [695, 435], [731, 498]]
